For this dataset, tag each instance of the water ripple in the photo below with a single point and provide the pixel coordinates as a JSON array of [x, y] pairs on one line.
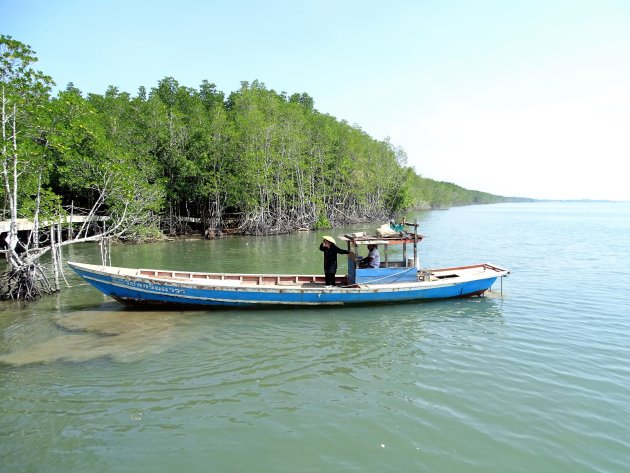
[[533, 380]]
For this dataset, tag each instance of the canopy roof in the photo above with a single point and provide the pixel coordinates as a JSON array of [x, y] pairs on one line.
[[378, 240]]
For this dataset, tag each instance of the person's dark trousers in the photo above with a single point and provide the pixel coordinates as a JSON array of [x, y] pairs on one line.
[[330, 279]]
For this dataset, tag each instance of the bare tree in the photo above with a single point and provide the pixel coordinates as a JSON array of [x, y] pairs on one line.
[[122, 199]]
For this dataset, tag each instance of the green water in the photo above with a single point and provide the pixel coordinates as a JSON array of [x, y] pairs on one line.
[[533, 379]]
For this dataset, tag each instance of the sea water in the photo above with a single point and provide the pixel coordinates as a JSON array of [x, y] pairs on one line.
[[533, 377]]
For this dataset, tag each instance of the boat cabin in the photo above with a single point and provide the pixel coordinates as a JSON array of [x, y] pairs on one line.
[[398, 250]]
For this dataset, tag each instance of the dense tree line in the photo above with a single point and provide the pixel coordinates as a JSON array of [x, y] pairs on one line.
[[255, 161]]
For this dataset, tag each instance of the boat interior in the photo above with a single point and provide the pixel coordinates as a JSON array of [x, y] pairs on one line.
[[299, 280]]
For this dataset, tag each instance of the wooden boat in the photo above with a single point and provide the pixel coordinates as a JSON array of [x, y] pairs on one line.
[[392, 282]]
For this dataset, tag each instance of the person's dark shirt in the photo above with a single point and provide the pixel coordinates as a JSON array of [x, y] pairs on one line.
[[330, 257]]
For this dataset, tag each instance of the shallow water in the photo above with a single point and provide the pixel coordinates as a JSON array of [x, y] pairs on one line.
[[533, 378]]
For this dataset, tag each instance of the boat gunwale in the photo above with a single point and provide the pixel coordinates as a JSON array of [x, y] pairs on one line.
[[265, 282]]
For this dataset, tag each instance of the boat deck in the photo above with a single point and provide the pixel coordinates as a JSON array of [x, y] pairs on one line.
[[288, 280]]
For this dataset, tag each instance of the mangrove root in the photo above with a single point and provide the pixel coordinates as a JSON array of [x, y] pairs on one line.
[[27, 282]]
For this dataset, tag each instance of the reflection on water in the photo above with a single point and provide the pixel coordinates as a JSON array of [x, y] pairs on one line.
[[111, 331], [122, 336]]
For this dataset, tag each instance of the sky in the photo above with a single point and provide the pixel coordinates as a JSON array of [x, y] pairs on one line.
[[516, 98]]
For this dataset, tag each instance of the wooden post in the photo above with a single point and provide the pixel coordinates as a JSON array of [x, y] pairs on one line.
[[59, 239], [55, 256], [405, 254], [70, 233], [415, 242]]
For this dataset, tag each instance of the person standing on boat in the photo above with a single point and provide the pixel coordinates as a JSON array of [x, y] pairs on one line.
[[373, 259], [331, 250]]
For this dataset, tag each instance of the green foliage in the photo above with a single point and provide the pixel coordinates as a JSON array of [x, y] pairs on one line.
[[321, 222], [427, 193], [48, 208], [270, 158], [24, 94]]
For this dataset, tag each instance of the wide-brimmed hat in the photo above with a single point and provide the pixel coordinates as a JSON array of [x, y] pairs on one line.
[[330, 239]]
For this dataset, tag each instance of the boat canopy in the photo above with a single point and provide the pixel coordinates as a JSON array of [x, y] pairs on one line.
[[393, 268]]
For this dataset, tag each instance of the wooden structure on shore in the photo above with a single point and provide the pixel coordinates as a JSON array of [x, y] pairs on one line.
[[25, 224]]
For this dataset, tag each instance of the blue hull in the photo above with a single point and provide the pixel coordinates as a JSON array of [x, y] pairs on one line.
[[142, 291]]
